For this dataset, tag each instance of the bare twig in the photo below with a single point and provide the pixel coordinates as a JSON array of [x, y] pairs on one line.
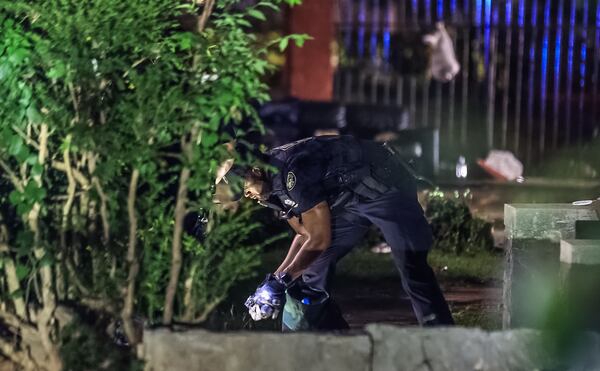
[[12, 176], [46, 315], [103, 200], [206, 12], [77, 175], [25, 137], [132, 260], [17, 356], [180, 205], [176, 246]]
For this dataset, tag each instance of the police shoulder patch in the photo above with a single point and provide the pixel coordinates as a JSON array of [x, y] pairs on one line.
[[290, 182]]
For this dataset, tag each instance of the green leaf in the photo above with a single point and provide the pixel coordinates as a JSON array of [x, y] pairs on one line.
[[22, 271], [210, 139], [257, 14], [57, 71], [23, 154], [15, 146], [268, 5], [185, 41], [32, 159], [15, 197], [37, 169], [33, 114], [283, 43], [24, 208]]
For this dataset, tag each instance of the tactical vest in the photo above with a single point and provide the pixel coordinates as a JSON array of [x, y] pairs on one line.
[[351, 169]]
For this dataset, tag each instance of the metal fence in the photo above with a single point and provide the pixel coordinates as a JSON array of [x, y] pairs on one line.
[[529, 70]]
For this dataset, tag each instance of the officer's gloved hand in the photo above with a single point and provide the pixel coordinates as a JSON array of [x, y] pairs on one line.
[[268, 299]]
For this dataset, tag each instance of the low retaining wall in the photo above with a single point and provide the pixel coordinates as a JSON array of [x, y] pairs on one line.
[[379, 348]]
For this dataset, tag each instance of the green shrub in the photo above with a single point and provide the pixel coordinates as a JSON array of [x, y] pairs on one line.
[[454, 227], [112, 125]]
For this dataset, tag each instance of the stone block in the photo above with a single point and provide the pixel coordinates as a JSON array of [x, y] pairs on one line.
[[580, 252], [532, 265], [199, 350], [453, 348], [546, 221]]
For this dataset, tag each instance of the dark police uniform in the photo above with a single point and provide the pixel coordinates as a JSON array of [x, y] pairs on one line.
[[364, 183]]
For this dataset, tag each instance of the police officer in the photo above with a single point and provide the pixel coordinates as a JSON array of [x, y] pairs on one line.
[[331, 189]]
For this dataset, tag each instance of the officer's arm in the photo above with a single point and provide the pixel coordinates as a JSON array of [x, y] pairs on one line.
[[316, 230]]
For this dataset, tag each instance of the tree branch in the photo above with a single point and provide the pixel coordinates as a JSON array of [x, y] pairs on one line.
[[46, 315], [12, 176], [134, 264], [176, 246], [206, 12]]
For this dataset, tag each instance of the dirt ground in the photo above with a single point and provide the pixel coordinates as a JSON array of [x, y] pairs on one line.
[[384, 301]]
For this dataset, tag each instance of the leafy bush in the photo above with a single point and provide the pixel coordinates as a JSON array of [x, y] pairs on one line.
[[454, 227], [111, 127]]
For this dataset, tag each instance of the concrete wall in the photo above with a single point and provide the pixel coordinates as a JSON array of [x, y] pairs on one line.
[[380, 347]]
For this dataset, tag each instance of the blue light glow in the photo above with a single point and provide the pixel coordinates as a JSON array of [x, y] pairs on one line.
[[521, 18], [486, 32], [478, 12], [534, 12], [440, 10], [374, 29], [508, 12], [545, 49], [427, 9], [452, 7], [362, 17], [598, 15], [415, 10], [557, 53], [488, 12], [571, 40], [583, 54], [495, 16], [386, 31]]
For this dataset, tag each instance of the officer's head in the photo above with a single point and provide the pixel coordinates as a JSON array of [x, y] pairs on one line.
[[233, 181]]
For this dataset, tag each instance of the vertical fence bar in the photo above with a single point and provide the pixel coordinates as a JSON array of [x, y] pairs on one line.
[[570, 71], [506, 72], [557, 63], [531, 76], [465, 74], [491, 89], [427, 82], [438, 86], [543, 81], [519, 87], [373, 49], [413, 81], [386, 48], [402, 25], [596, 129], [582, 61], [452, 88]]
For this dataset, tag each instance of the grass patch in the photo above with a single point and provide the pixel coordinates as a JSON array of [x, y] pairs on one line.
[[480, 267], [485, 317]]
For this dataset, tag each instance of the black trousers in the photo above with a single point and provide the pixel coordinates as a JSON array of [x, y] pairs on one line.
[[400, 218]]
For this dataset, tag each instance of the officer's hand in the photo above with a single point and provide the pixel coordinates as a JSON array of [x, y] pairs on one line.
[[267, 300]]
